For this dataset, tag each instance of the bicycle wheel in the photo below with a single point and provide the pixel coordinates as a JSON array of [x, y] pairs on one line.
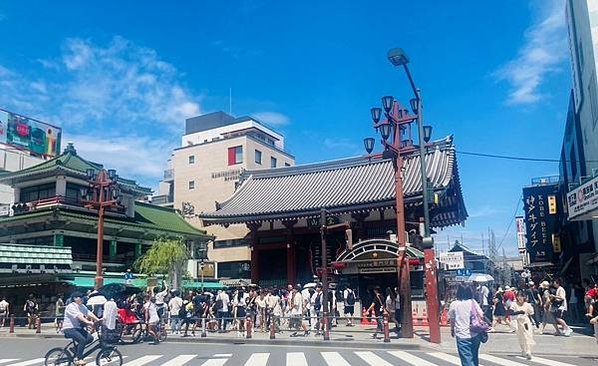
[[58, 357], [109, 356], [135, 334]]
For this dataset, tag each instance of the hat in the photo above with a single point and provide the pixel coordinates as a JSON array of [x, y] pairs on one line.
[[76, 294], [507, 287], [545, 284], [531, 283]]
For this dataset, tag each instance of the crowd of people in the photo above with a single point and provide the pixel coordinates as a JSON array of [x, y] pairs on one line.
[[479, 310]]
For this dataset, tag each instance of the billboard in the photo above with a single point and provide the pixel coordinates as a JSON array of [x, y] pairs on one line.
[[452, 260], [540, 224], [583, 200], [521, 245], [29, 134]]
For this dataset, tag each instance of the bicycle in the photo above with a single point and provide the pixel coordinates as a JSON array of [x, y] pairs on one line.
[[108, 353], [131, 333]]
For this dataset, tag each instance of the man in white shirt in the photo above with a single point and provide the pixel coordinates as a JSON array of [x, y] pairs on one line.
[[4, 311], [559, 307], [76, 317], [175, 305], [151, 318], [222, 301], [317, 303], [349, 300], [297, 312]]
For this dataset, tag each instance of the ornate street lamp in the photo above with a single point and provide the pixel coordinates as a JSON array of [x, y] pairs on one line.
[[368, 142]]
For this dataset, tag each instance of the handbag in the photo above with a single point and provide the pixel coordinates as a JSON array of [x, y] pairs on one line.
[[477, 323]]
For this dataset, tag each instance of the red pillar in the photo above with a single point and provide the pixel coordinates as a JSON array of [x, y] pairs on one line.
[[432, 295], [255, 269], [291, 252]]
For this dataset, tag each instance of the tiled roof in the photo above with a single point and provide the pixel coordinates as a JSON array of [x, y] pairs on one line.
[[69, 162], [34, 254], [343, 186]]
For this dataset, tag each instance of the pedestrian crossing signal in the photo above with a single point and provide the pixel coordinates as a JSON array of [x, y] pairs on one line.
[[552, 205]]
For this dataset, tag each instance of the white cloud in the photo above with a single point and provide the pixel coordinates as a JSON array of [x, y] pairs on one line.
[[340, 144], [120, 103], [132, 156], [542, 54], [272, 118]]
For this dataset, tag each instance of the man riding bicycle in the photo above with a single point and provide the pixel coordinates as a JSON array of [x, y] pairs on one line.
[[76, 317]]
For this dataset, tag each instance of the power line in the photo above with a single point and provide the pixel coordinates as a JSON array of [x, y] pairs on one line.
[[517, 158], [519, 200]]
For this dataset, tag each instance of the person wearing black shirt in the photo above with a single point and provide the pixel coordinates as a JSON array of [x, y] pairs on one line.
[[379, 308]]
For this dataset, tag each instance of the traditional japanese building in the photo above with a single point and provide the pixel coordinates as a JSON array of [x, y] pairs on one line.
[[282, 206], [51, 219]]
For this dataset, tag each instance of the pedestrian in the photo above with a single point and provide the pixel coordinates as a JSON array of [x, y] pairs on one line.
[[174, 306], [31, 308], [559, 307], [378, 306], [460, 314], [483, 296], [4, 310], [261, 310], [349, 299], [535, 300], [222, 310], [274, 309], [548, 316], [151, 318], [575, 300], [521, 310], [391, 301], [500, 313], [239, 304], [59, 313], [297, 313], [316, 303]]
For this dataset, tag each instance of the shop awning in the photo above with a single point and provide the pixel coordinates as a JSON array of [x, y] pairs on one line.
[[190, 284], [89, 282]]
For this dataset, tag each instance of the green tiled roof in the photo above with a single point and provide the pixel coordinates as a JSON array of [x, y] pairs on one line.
[[69, 161], [89, 281], [147, 216], [34, 254], [192, 284]]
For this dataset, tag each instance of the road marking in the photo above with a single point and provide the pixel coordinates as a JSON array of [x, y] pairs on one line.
[[500, 361], [547, 362], [414, 360], [372, 359], [30, 362], [179, 360], [143, 360], [215, 362], [7, 360], [296, 359], [334, 359], [220, 355], [446, 357], [258, 359]]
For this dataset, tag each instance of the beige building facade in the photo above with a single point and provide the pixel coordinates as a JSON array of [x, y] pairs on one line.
[[216, 149]]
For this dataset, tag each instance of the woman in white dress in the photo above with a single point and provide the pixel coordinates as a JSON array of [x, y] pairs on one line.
[[521, 311]]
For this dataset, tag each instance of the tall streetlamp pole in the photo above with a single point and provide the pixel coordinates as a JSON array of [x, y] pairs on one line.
[[398, 57], [102, 193]]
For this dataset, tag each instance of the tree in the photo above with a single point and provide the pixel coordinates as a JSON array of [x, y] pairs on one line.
[[167, 257]]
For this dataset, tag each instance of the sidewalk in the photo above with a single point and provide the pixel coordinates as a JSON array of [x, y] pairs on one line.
[[360, 337]]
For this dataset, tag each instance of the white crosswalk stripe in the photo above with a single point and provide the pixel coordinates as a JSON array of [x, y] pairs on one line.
[[334, 359], [296, 359], [409, 358], [372, 359], [454, 360], [7, 360], [258, 359], [500, 361], [29, 362], [547, 362], [143, 360], [215, 362], [179, 360]]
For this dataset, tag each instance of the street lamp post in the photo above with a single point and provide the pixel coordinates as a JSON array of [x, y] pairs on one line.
[[102, 194], [394, 123], [202, 255], [398, 57]]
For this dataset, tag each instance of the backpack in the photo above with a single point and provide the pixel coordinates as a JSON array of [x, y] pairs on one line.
[[350, 298], [490, 297], [2, 307], [31, 307], [318, 302]]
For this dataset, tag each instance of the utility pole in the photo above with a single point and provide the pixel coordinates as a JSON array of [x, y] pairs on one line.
[[324, 269]]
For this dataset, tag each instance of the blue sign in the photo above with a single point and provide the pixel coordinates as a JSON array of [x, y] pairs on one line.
[[464, 272]]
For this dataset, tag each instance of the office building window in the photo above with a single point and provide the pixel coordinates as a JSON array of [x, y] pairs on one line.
[[287, 164], [235, 155], [272, 162], [191, 184], [258, 157], [191, 159]]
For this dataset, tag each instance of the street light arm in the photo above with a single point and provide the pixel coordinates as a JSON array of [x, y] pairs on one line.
[[411, 82]]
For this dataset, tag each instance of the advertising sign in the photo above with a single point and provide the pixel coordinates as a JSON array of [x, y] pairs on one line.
[[452, 260], [583, 199], [29, 134], [520, 221], [539, 223]]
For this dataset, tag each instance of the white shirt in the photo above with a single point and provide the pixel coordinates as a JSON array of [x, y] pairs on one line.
[[153, 312], [225, 300], [560, 292], [175, 305], [71, 315], [314, 298], [242, 301], [460, 316], [110, 313], [297, 304], [484, 292], [160, 297], [3, 306]]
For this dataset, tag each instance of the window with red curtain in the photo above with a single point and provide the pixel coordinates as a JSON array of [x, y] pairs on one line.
[[235, 155]]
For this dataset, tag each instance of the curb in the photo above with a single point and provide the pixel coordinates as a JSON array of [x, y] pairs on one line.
[[253, 341]]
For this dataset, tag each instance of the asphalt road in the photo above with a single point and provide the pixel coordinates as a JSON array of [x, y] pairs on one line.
[[30, 352]]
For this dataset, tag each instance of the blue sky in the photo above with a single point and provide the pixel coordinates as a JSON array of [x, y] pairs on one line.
[[120, 78]]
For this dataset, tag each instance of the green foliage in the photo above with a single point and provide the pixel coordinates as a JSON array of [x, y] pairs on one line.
[[164, 257]]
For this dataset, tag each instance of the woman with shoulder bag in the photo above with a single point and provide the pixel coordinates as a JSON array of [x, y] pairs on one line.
[[468, 326]]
